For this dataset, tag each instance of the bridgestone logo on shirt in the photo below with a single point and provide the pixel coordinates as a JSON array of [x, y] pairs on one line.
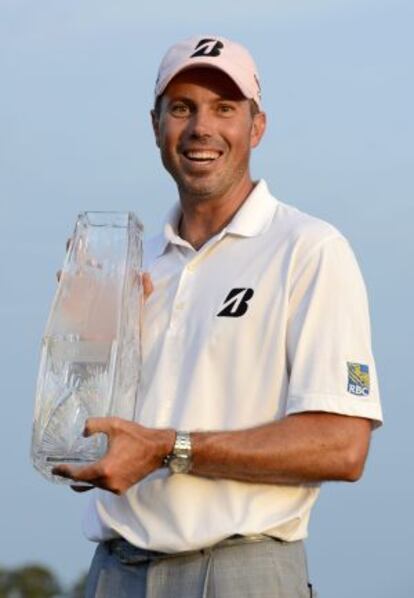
[[236, 303]]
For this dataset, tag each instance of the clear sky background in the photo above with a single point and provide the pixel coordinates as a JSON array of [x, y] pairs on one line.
[[76, 81]]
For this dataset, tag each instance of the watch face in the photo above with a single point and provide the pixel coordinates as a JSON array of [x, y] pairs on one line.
[[178, 465]]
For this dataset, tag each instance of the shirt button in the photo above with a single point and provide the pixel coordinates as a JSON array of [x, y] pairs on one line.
[[191, 267]]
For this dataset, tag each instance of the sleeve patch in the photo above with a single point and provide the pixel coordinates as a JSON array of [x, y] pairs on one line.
[[358, 379]]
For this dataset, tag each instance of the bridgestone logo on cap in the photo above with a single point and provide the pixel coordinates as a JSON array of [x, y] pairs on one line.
[[212, 50], [207, 47]]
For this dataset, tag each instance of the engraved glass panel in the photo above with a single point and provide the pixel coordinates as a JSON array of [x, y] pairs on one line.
[[90, 355]]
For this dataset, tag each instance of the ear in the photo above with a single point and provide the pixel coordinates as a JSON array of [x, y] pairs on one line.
[[156, 126], [258, 129]]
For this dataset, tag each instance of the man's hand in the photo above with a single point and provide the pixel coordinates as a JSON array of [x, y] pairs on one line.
[[134, 452], [147, 285], [146, 281]]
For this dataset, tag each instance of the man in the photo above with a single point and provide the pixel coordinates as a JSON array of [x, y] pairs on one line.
[[258, 378]]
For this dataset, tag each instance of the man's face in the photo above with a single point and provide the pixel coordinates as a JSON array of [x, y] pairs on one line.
[[205, 131]]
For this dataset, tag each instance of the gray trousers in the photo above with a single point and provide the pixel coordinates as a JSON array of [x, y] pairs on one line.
[[253, 567]]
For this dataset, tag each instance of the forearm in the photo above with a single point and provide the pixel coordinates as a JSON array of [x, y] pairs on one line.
[[302, 448], [298, 449]]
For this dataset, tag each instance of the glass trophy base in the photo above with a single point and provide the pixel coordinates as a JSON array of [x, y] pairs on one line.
[[46, 463], [70, 399]]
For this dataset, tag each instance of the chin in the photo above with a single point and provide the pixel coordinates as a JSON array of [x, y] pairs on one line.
[[200, 189]]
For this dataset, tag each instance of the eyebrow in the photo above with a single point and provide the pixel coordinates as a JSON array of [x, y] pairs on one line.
[[183, 98]]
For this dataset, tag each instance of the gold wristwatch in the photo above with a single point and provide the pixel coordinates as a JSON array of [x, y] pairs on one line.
[[179, 460]]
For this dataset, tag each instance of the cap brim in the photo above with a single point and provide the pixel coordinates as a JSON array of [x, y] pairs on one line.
[[189, 65]]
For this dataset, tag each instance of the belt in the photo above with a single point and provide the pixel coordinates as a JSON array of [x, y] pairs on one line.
[[129, 554]]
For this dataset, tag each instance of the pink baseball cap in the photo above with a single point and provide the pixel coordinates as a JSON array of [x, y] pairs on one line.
[[215, 52]]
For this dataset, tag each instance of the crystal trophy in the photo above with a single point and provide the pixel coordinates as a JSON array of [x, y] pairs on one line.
[[91, 355]]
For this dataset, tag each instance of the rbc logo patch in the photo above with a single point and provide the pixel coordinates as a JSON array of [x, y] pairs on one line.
[[358, 379]]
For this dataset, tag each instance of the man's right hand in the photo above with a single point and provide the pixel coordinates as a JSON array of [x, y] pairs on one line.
[[134, 452]]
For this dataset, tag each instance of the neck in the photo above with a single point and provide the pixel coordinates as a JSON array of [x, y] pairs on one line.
[[202, 219]]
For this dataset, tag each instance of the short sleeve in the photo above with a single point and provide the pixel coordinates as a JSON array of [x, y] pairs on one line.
[[331, 366]]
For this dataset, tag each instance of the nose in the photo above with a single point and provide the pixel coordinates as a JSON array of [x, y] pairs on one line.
[[200, 124]]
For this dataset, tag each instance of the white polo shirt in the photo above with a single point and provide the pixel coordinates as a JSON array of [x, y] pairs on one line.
[[267, 319]]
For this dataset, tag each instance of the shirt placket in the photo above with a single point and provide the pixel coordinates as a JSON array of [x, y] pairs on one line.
[[175, 334]]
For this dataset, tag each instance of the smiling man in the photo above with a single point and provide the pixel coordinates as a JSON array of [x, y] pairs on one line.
[[206, 129], [258, 378]]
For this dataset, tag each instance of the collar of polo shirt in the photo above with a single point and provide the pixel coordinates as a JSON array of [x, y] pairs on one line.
[[251, 219]]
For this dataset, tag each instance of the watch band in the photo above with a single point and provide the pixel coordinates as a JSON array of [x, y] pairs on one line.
[[179, 460]]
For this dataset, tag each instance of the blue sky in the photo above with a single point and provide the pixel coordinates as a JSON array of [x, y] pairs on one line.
[[76, 80]]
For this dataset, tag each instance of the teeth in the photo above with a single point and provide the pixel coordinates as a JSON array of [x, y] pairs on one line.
[[202, 155]]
